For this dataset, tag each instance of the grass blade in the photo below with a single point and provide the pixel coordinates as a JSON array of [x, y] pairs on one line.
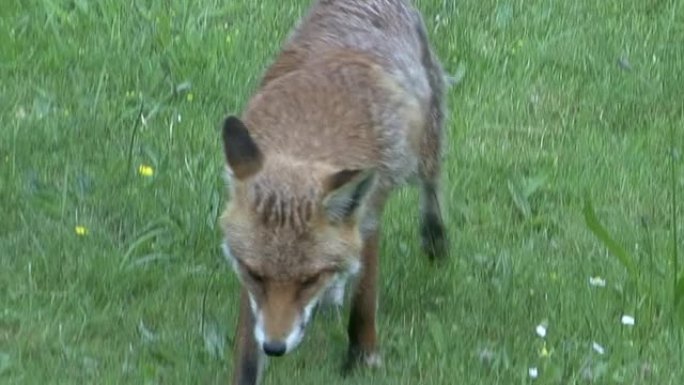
[[519, 199], [437, 332], [148, 236], [679, 291], [602, 234], [678, 282]]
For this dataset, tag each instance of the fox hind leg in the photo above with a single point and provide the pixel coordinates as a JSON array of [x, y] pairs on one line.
[[433, 231]]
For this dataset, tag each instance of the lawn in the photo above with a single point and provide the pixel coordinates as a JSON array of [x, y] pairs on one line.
[[110, 189]]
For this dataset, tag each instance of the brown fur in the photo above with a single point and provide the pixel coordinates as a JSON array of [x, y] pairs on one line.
[[352, 108]]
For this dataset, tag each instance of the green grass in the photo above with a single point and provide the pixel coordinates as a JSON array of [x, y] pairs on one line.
[[559, 99]]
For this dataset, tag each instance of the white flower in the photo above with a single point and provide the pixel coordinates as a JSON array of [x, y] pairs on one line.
[[541, 330], [533, 372], [597, 281], [597, 348], [627, 320]]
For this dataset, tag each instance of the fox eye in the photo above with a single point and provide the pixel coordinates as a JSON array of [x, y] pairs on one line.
[[310, 281], [257, 278]]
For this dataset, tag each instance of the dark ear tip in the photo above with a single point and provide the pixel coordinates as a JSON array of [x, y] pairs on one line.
[[242, 153], [230, 119], [232, 125]]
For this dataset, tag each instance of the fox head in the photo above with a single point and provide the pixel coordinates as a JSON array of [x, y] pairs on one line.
[[291, 233]]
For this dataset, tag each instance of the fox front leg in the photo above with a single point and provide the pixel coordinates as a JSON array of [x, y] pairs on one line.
[[248, 359], [363, 349]]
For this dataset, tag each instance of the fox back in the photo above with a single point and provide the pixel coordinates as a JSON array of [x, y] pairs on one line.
[[351, 109]]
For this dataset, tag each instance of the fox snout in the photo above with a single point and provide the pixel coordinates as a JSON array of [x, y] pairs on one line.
[[274, 348], [279, 331]]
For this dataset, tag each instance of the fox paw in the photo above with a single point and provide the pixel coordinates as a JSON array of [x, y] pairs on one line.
[[358, 359], [373, 360], [433, 237]]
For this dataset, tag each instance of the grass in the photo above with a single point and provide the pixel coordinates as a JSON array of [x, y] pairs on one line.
[[111, 275]]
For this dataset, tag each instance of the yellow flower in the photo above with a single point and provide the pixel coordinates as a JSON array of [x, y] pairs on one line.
[[544, 352], [145, 170], [81, 230]]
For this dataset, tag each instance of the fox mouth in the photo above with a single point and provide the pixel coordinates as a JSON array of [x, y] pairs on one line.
[[304, 325]]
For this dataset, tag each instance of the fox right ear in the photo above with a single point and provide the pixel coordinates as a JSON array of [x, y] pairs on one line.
[[242, 154], [346, 191]]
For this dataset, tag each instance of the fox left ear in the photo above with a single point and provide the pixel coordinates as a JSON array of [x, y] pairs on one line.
[[346, 190], [242, 154]]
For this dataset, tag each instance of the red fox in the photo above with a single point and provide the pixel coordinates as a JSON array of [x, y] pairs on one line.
[[352, 108]]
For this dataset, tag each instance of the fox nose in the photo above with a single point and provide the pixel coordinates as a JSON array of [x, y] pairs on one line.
[[274, 348]]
